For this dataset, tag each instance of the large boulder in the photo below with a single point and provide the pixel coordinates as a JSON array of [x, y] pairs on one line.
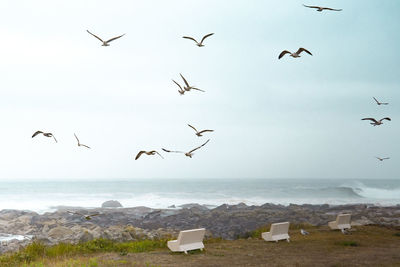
[[111, 204], [60, 233]]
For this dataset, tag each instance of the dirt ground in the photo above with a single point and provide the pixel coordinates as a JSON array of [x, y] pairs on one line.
[[365, 246]]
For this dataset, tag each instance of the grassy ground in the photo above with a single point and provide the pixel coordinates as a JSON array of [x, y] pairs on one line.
[[365, 246]]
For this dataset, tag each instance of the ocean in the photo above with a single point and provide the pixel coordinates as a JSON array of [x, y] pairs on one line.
[[46, 196]]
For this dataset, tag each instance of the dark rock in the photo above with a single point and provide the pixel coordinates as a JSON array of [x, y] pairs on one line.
[[111, 204]]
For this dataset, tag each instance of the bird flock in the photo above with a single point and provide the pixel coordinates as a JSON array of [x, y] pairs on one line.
[[375, 122], [182, 90], [186, 87]]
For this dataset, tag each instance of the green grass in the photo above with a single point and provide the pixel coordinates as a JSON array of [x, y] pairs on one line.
[[37, 250], [397, 234], [348, 243]]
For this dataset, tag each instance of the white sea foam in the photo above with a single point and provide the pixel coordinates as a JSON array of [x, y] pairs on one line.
[[8, 237]]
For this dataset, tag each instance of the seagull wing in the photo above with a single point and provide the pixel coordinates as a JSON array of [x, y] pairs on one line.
[[206, 36], [85, 146], [183, 78], [301, 49], [371, 119], [95, 36], [139, 154], [204, 131], [387, 118], [36, 133], [194, 88], [170, 151], [159, 154], [76, 213], [115, 38], [190, 38], [333, 9], [376, 100], [386, 158], [178, 84], [77, 139], [284, 52], [54, 138], [199, 146], [95, 214], [311, 6], [193, 128]]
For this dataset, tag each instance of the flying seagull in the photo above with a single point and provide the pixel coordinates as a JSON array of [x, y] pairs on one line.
[[79, 143], [199, 134], [379, 103], [304, 232], [181, 90], [187, 87], [150, 153], [381, 159], [375, 122], [202, 40], [297, 54], [105, 43], [45, 134], [320, 9], [187, 154], [86, 217]]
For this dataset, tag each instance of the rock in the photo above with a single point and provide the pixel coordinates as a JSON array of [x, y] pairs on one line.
[[60, 233], [111, 204], [193, 205], [85, 237], [172, 207]]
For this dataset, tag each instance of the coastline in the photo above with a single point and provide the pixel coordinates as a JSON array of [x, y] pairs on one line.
[[225, 221]]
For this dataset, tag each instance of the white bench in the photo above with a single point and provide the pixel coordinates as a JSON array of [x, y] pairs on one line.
[[342, 222], [188, 240], [278, 231]]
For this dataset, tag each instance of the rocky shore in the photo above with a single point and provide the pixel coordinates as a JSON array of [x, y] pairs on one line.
[[125, 224]]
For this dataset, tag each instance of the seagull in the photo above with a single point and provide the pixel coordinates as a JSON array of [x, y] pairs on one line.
[[379, 103], [188, 87], [187, 154], [105, 43], [199, 134], [345, 231], [320, 9], [304, 232], [202, 40], [297, 54], [79, 143], [86, 217], [381, 159], [375, 122], [45, 134], [181, 90], [150, 153]]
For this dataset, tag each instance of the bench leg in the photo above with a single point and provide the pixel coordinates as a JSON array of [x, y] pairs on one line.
[[185, 252], [288, 240], [201, 249]]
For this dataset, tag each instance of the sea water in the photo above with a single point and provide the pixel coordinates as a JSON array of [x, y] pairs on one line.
[[46, 196]]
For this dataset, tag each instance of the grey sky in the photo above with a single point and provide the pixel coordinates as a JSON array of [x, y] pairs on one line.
[[294, 118]]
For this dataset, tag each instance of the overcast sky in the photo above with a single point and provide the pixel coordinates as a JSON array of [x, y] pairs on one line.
[[288, 118]]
